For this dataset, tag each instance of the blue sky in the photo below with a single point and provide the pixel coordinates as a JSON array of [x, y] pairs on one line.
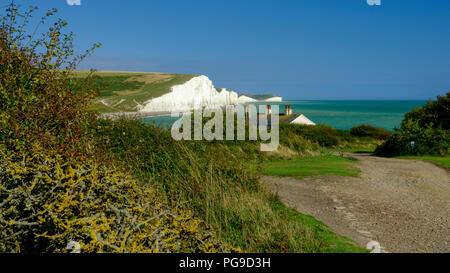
[[302, 49]]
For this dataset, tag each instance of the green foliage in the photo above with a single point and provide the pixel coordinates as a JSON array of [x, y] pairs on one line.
[[364, 130], [39, 100], [435, 113], [292, 138], [180, 170], [424, 131], [315, 138], [427, 141], [322, 134]]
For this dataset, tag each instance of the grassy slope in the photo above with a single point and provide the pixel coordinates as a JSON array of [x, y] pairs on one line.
[[121, 90], [249, 218], [214, 180], [314, 165], [365, 145]]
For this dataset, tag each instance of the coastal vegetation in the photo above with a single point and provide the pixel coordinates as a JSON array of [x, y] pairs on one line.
[[219, 181], [67, 175], [424, 131], [326, 137], [56, 185], [122, 185]]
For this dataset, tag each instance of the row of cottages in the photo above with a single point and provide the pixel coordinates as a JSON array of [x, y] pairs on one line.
[[291, 118], [287, 117]]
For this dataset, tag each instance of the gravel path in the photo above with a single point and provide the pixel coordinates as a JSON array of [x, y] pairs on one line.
[[402, 204]]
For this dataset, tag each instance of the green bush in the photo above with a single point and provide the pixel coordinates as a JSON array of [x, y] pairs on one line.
[[322, 134], [435, 113], [424, 131], [39, 99], [364, 130], [414, 139]]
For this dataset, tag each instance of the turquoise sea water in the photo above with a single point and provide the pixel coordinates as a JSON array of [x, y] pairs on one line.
[[341, 114], [346, 114]]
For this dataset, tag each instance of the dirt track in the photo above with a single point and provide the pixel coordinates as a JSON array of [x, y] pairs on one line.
[[402, 204]]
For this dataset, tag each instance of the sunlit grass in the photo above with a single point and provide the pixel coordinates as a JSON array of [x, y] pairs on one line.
[[313, 165]]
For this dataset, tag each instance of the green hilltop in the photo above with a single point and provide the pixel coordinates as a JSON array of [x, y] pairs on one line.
[[123, 91]]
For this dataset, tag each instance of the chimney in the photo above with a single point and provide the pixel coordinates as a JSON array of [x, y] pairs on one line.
[[247, 112], [286, 111], [269, 110]]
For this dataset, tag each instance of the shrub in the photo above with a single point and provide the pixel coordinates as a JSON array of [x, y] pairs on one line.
[[39, 99], [414, 139], [424, 131], [322, 134], [370, 131], [47, 201], [435, 113]]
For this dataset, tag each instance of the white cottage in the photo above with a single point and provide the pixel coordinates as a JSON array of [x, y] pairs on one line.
[[298, 119]]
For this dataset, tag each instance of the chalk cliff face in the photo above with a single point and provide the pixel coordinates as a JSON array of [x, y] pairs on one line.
[[274, 99], [245, 99], [194, 94]]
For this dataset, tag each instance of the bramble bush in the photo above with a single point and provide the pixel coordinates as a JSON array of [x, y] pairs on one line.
[[39, 99]]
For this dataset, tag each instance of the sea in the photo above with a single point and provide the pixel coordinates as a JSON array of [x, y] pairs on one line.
[[339, 114]]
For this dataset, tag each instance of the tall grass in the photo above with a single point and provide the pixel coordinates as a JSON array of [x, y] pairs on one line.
[[219, 180]]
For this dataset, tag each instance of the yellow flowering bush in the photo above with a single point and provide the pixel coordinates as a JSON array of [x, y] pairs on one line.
[[47, 201]]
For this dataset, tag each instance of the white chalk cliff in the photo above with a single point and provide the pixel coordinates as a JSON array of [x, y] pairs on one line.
[[194, 94], [274, 99]]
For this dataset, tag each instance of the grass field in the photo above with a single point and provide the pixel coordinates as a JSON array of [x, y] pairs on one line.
[[309, 166], [441, 160], [124, 91]]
